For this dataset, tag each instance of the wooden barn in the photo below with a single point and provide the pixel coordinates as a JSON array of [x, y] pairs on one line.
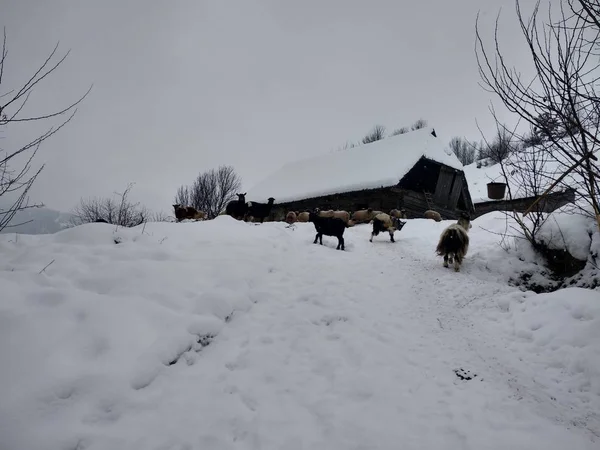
[[411, 171]]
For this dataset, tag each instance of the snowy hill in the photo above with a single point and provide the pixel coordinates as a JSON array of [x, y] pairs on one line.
[[38, 221], [231, 335]]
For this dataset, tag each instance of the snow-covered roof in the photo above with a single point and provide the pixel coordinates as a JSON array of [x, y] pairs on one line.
[[368, 166]]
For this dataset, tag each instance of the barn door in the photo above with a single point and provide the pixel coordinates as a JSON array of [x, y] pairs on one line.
[[444, 186]]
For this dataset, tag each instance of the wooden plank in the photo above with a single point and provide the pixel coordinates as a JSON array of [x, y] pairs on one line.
[[442, 188], [456, 190]]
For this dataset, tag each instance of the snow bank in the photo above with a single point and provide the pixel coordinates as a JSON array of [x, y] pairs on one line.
[[103, 320], [565, 230], [224, 334], [368, 166], [558, 335]]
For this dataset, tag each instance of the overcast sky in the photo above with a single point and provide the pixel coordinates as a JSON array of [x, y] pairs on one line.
[[184, 86]]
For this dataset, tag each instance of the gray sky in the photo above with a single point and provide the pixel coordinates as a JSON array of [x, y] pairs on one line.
[[184, 86]]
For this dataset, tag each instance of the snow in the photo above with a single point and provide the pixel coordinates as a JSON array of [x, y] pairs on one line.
[[560, 333], [301, 346], [378, 164]]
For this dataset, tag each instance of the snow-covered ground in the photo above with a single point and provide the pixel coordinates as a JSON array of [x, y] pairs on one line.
[[228, 335]]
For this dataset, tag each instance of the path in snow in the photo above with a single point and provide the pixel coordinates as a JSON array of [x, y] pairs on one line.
[[342, 350], [346, 351]]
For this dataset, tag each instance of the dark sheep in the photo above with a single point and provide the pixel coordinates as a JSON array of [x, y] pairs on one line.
[[188, 212], [260, 210], [328, 226], [237, 208]]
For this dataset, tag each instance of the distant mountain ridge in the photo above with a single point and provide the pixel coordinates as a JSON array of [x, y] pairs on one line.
[[38, 221]]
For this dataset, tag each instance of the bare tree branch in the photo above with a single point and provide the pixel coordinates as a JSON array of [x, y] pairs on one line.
[[559, 103], [119, 211], [19, 180]]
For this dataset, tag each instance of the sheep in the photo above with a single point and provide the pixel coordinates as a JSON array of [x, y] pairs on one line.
[[291, 217], [431, 214], [384, 222], [328, 226], [237, 208], [303, 216], [260, 210], [454, 242], [328, 213], [350, 223], [363, 215], [398, 213], [341, 214]]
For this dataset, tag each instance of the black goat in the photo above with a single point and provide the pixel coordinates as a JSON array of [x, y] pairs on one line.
[[260, 210], [237, 208], [328, 226]]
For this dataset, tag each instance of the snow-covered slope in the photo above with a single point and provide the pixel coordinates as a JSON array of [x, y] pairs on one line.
[[229, 335]]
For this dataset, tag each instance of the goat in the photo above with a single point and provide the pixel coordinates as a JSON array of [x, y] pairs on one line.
[[237, 208], [384, 222], [260, 210], [454, 242], [464, 220], [328, 226]]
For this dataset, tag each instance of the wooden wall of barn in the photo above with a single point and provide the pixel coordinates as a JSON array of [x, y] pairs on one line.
[[382, 199]]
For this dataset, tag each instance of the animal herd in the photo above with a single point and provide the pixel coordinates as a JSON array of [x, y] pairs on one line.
[[453, 243]]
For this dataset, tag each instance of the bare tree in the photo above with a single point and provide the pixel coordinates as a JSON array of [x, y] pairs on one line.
[[464, 150], [211, 191], [559, 103], [17, 174], [401, 130], [116, 211], [345, 146], [160, 216], [376, 134], [420, 123], [183, 196], [504, 144]]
